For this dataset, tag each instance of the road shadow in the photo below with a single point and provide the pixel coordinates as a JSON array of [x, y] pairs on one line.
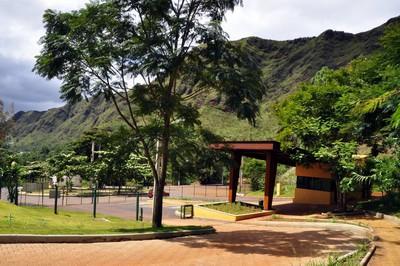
[[308, 243]]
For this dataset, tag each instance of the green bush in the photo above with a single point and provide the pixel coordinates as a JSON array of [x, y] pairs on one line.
[[255, 171]]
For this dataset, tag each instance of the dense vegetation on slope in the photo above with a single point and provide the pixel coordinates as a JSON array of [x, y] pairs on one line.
[[338, 111], [284, 64]]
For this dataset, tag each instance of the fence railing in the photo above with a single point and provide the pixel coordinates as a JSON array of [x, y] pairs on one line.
[[109, 194], [76, 196]]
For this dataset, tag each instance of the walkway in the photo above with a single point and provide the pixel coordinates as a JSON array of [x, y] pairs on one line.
[[234, 244]]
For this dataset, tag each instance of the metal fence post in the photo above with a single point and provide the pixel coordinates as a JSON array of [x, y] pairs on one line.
[[194, 190], [94, 200], [16, 195], [137, 206], [20, 197], [62, 197], [55, 199], [66, 198], [42, 193], [181, 192]]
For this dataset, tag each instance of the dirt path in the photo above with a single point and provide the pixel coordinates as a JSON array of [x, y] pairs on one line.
[[388, 244]]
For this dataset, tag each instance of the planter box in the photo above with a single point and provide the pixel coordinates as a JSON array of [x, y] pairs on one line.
[[202, 211]]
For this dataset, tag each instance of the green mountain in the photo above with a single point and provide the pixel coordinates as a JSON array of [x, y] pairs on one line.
[[284, 64]]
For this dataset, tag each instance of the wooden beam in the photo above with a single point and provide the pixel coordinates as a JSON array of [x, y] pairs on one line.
[[268, 146], [234, 176], [270, 175]]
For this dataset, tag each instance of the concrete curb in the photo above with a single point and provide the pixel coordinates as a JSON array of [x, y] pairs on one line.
[[368, 256], [364, 260], [388, 217], [27, 238], [356, 229], [345, 256]]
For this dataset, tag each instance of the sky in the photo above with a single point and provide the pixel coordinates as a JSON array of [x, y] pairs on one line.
[[21, 27]]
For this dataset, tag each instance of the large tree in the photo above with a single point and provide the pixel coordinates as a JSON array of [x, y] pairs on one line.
[[151, 59]]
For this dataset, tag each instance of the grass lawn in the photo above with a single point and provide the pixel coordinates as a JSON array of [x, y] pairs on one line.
[[286, 191], [38, 220], [234, 208]]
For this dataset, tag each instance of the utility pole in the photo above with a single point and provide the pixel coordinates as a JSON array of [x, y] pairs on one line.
[[92, 154], [92, 182]]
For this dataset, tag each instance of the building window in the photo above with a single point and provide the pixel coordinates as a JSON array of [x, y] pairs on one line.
[[315, 183]]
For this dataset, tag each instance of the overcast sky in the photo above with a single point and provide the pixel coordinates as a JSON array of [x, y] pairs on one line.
[[21, 27]]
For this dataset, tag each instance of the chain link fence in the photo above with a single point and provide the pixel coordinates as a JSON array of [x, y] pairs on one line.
[[76, 196]]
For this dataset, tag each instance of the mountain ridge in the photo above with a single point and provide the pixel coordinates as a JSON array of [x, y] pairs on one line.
[[284, 65]]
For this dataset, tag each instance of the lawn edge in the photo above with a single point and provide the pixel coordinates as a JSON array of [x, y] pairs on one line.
[[30, 238]]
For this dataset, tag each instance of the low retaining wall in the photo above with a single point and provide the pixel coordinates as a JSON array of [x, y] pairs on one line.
[[201, 211], [20, 238]]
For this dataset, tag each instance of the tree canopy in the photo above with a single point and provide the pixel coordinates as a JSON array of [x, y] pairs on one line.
[[150, 58], [341, 110]]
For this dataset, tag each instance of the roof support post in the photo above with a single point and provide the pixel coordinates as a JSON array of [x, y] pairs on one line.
[[270, 175], [234, 176]]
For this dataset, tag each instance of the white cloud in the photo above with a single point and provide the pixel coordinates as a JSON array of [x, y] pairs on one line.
[[21, 27], [289, 19]]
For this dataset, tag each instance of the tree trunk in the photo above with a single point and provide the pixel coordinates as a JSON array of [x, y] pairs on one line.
[[344, 201], [157, 204], [158, 190]]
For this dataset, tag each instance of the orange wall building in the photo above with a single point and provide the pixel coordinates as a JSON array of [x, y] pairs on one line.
[[315, 184]]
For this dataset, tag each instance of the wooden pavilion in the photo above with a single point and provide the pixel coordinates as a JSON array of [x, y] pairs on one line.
[[262, 150]]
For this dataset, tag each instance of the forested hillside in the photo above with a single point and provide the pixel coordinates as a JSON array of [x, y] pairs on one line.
[[284, 64]]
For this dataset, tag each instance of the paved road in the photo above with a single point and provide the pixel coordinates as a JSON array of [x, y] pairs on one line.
[[126, 209]]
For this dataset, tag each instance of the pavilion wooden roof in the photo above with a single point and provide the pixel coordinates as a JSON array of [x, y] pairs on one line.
[[255, 149]]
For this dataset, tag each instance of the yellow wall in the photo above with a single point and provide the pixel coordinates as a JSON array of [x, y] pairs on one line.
[[307, 196], [204, 212]]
